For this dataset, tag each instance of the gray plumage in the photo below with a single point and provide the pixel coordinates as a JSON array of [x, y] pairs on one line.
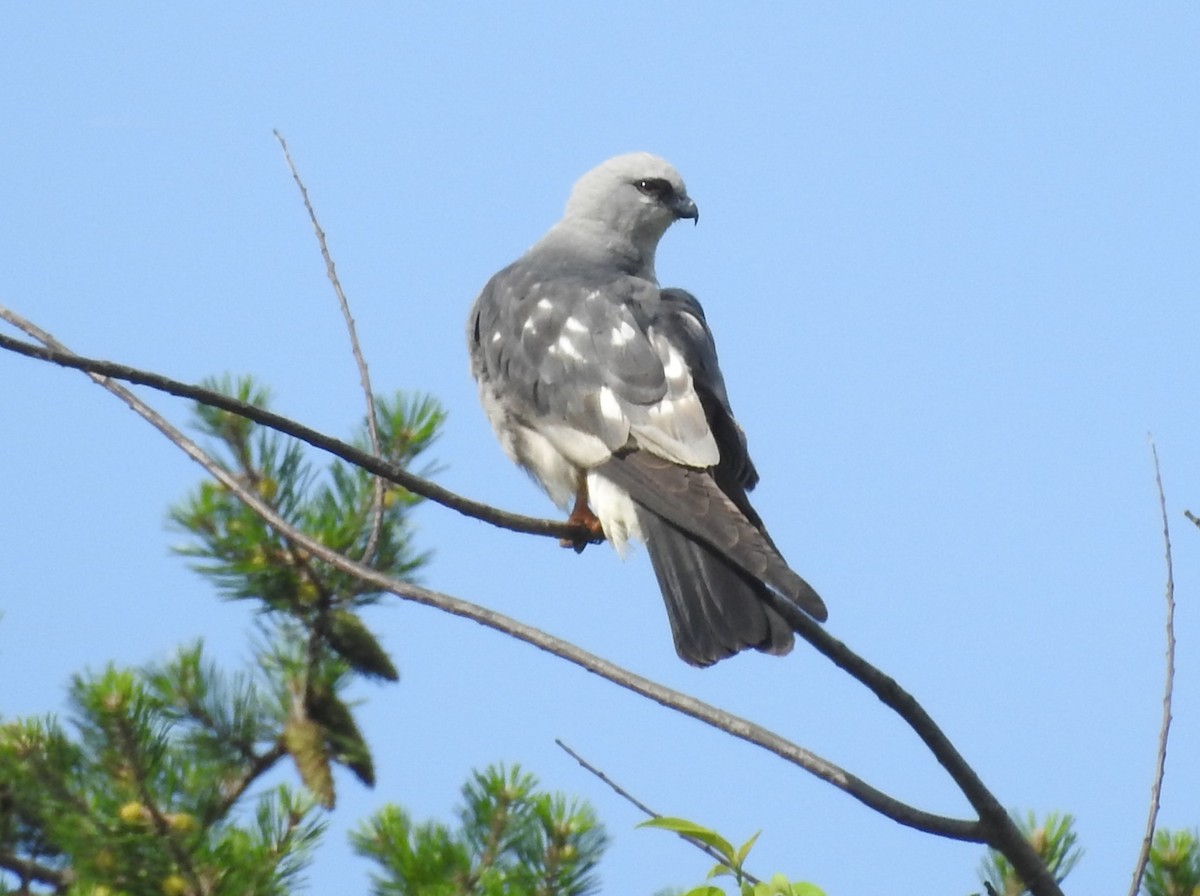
[[606, 389]]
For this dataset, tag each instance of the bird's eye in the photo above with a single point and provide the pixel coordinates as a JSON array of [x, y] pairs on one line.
[[655, 188]]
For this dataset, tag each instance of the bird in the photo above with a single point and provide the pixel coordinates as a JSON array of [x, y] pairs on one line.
[[605, 388]]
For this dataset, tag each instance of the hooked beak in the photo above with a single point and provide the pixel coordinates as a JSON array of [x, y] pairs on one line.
[[683, 207]]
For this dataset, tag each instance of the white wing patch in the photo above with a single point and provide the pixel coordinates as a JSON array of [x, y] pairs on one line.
[[674, 369], [567, 347], [622, 334], [582, 449], [610, 408], [574, 325], [675, 427]]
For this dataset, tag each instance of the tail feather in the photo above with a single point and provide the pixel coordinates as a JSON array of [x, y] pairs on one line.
[[715, 609], [692, 502]]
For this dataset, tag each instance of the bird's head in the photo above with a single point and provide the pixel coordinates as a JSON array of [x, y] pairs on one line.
[[636, 196]]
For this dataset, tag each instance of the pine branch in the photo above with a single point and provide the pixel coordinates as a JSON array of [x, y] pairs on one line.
[[127, 744], [259, 765]]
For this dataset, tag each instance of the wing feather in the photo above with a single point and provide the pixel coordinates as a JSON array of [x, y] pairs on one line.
[[573, 357]]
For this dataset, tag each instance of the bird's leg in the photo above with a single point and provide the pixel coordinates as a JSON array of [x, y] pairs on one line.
[[586, 523]]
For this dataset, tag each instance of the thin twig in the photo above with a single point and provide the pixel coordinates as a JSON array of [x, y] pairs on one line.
[[646, 810], [1160, 765], [363, 375], [743, 729], [257, 766], [620, 791]]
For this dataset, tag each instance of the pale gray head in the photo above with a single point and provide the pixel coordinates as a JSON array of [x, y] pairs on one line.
[[636, 196]]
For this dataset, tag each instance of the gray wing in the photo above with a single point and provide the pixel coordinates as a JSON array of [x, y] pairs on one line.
[[681, 319], [711, 553], [570, 354]]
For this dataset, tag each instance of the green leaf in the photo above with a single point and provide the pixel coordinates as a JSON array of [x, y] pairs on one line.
[[695, 832], [705, 891], [354, 642], [744, 850]]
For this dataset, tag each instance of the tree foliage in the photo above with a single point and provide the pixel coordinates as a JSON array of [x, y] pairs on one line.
[[1174, 868], [146, 788], [512, 840], [1054, 841], [137, 793]]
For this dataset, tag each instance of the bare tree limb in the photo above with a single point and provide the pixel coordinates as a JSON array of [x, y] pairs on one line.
[[646, 810], [909, 816], [1164, 730], [998, 829], [347, 452], [363, 375]]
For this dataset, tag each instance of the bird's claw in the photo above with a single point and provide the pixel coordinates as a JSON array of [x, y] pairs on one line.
[[587, 529]]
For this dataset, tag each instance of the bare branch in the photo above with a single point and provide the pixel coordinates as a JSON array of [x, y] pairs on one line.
[[621, 792], [952, 828], [363, 375], [395, 473], [646, 810], [27, 871], [1143, 859], [996, 827]]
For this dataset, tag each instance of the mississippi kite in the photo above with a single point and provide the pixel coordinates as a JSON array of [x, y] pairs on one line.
[[606, 389]]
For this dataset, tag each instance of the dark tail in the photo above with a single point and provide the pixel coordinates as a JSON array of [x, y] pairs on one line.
[[715, 609], [715, 563]]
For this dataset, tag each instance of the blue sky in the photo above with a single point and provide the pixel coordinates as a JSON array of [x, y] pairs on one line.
[[950, 255]]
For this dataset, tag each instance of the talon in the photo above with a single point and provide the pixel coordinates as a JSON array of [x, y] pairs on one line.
[[587, 524]]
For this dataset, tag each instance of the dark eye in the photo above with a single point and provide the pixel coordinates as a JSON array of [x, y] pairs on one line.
[[655, 188]]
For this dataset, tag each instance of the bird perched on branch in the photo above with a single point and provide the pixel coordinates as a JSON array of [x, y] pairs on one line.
[[606, 389]]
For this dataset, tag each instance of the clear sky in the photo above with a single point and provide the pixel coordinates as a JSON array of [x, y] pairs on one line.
[[950, 254]]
